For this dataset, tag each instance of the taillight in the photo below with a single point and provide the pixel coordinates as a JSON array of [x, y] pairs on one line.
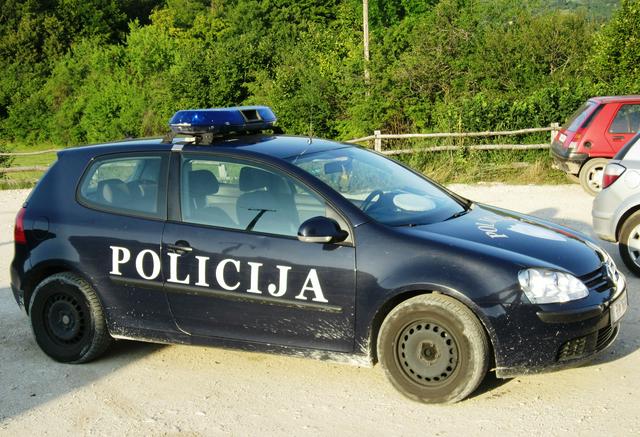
[[18, 231], [575, 140], [611, 174]]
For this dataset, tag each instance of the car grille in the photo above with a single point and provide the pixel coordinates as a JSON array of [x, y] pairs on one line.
[[598, 280], [582, 346], [605, 336], [575, 348]]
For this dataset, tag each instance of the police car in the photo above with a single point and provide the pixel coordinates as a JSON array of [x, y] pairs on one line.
[[230, 234]]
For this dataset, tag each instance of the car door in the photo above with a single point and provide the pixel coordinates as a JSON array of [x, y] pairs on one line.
[[234, 267], [624, 125]]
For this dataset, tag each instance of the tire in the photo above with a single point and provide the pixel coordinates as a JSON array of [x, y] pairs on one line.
[[629, 243], [427, 325], [591, 175], [68, 320]]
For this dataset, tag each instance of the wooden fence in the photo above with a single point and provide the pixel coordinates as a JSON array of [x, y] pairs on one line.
[[29, 168], [378, 136], [377, 139]]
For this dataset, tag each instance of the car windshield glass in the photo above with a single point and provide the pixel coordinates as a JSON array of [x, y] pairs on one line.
[[385, 190], [575, 121]]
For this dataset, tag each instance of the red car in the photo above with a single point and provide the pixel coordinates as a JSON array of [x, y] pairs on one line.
[[593, 135]]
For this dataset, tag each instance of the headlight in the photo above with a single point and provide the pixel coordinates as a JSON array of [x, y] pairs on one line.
[[549, 286]]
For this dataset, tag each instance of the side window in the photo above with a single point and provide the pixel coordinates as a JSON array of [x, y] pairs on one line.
[[627, 120], [126, 184], [237, 195]]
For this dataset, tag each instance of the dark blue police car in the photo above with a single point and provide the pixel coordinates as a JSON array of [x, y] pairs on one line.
[[235, 236]]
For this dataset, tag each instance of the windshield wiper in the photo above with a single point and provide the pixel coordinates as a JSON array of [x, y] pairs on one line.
[[458, 214], [253, 222]]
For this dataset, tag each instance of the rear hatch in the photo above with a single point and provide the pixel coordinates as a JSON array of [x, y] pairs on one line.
[[573, 130]]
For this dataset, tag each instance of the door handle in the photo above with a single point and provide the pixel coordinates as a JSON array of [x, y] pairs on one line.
[[180, 246], [618, 138]]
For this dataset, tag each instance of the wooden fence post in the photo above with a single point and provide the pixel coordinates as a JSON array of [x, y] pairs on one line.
[[377, 141], [555, 127]]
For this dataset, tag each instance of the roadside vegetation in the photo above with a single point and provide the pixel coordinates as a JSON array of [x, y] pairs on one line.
[[83, 71]]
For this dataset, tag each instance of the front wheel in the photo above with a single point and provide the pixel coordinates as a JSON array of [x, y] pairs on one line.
[[433, 349], [67, 319], [629, 244]]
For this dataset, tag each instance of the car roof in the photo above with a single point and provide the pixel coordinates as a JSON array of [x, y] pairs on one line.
[[615, 99], [276, 146]]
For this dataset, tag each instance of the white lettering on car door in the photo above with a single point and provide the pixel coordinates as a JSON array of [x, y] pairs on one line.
[[122, 255], [312, 283], [119, 255], [220, 273], [140, 264]]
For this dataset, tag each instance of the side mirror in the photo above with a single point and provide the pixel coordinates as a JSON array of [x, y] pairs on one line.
[[321, 230]]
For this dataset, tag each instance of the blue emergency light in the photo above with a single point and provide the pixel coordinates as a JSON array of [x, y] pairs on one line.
[[222, 120]]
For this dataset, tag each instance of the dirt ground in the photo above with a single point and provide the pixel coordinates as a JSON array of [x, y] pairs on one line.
[[146, 389]]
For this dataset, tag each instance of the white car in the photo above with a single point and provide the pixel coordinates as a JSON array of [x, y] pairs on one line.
[[616, 209]]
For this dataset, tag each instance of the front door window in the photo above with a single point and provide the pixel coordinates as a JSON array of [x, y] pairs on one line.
[[243, 196]]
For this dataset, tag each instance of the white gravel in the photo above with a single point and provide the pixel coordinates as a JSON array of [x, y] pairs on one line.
[[145, 389]]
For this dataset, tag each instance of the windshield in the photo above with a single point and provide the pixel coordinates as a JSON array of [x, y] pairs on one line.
[[386, 191]]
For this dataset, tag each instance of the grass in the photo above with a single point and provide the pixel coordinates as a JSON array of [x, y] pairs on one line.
[[461, 166], [29, 178], [473, 166]]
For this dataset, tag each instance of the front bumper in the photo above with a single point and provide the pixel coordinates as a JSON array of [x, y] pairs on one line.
[[532, 339], [603, 226], [566, 159]]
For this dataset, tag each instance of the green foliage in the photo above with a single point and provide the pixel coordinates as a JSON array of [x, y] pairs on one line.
[[616, 55], [5, 161], [94, 70]]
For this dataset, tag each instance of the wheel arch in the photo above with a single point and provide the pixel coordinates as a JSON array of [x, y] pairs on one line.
[[402, 295], [43, 271], [623, 218]]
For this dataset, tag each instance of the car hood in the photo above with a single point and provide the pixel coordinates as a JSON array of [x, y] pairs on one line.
[[530, 241]]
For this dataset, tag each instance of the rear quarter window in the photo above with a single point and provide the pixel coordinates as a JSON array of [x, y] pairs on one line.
[[129, 184]]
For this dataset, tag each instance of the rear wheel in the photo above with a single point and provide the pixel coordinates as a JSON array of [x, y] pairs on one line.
[[67, 319], [629, 245], [433, 349], [591, 175]]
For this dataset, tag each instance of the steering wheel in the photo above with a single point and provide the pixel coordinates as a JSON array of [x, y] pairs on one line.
[[367, 202]]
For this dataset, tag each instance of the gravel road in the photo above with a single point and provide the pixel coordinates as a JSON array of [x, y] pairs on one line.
[[146, 389]]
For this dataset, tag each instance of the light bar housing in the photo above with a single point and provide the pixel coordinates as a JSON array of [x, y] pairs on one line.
[[222, 120]]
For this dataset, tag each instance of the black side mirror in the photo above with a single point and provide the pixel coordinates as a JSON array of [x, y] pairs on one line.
[[321, 230]]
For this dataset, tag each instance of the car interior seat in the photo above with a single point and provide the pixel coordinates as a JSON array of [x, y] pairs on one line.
[[267, 203], [203, 183], [114, 192]]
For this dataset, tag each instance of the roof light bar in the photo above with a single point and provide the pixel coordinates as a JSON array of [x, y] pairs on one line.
[[222, 120]]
